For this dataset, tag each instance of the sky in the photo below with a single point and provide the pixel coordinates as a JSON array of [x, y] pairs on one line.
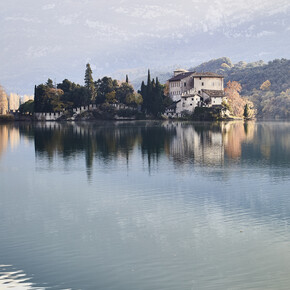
[[55, 39]]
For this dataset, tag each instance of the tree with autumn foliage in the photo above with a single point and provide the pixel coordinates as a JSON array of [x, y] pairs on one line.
[[236, 102], [265, 86], [3, 102]]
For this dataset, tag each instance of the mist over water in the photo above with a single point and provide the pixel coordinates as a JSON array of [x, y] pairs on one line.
[[145, 205]]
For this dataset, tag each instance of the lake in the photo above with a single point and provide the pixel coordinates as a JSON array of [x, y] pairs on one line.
[[145, 205]]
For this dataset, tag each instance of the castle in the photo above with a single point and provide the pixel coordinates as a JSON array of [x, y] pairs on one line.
[[189, 90]]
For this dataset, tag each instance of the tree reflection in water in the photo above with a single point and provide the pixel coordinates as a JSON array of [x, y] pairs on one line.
[[185, 144]]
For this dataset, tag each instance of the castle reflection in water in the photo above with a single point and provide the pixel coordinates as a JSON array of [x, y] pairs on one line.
[[185, 144]]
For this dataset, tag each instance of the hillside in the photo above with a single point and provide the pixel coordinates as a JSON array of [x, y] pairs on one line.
[[250, 75], [272, 102]]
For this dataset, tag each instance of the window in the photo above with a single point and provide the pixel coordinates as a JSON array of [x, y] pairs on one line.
[[185, 84], [200, 78], [202, 83], [192, 99], [199, 92], [191, 104]]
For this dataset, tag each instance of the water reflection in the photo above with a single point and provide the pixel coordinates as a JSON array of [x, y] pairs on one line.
[[9, 135], [206, 144], [177, 228], [186, 144], [3, 139]]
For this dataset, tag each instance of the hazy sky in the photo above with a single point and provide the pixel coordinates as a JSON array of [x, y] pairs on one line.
[[41, 39]]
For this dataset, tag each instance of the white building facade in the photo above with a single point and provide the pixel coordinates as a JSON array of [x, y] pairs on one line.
[[191, 89]]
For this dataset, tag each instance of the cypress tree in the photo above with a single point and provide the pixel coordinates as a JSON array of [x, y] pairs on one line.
[[148, 79], [143, 92], [246, 111], [127, 79], [149, 93], [158, 102], [89, 83]]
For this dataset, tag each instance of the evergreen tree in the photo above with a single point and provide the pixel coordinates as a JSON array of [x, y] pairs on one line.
[[144, 96], [148, 93], [154, 100], [49, 83], [148, 79], [157, 101], [127, 79], [246, 111], [89, 83]]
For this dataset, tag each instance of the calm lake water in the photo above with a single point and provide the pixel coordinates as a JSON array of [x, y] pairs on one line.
[[146, 205]]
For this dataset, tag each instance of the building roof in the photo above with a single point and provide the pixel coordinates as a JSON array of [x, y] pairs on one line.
[[190, 95], [214, 93], [206, 74], [180, 76], [194, 74], [172, 106]]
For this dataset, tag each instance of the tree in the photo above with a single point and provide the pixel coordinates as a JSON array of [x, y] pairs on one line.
[[66, 85], [111, 97], [157, 101], [277, 107], [236, 103], [48, 99], [127, 79], [49, 83], [124, 92], [3, 102], [80, 96], [143, 93], [89, 83], [148, 94], [13, 101], [104, 86], [155, 96], [246, 111], [265, 86], [27, 107], [166, 89], [134, 99]]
